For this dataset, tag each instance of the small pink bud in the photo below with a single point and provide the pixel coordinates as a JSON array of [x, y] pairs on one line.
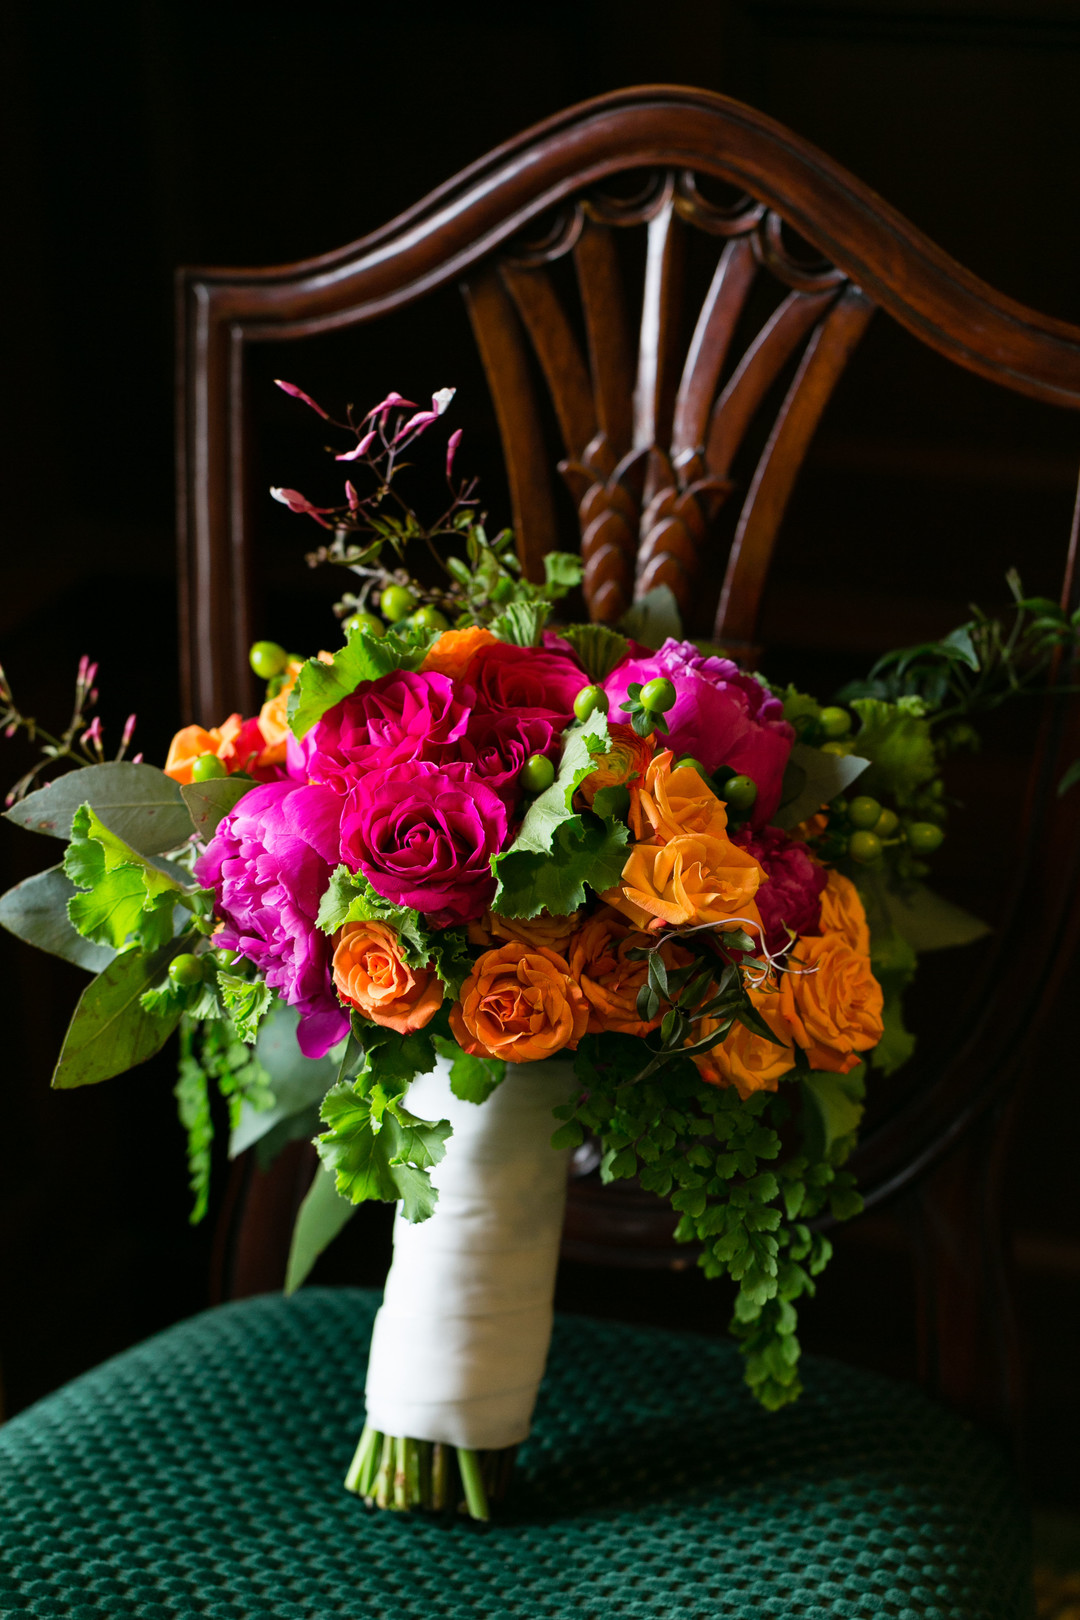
[[84, 665], [296, 502], [416, 424], [385, 406], [137, 760], [93, 731], [91, 675], [129, 727], [354, 455], [298, 393], [92, 699], [9, 731], [451, 450], [353, 497]]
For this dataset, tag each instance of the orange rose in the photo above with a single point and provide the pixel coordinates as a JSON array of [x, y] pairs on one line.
[[833, 1006], [370, 974], [455, 650], [744, 1060], [610, 978], [272, 721], [813, 827], [842, 913], [519, 1004], [675, 802], [624, 764], [553, 933], [691, 879], [191, 742]]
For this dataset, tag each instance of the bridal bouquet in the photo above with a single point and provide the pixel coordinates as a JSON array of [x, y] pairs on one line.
[[470, 892]]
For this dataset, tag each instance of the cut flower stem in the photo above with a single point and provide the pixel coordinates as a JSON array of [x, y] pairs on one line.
[[399, 1473]]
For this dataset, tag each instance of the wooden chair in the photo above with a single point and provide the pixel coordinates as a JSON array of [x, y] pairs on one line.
[[851, 1500]]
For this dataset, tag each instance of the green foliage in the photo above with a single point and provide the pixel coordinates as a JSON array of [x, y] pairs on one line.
[[558, 850], [813, 778], [801, 711], [35, 911], [563, 571], [139, 803], [320, 1218], [127, 893], [896, 739], [193, 1107], [893, 961], [473, 1079], [209, 802], [298, 1083], [653, 617], [717, 1159], [598, 648], [363, 658], [521, 623], [110, 1031], [351, 898], [246, 1001], [212, 1054], [833, 1109]]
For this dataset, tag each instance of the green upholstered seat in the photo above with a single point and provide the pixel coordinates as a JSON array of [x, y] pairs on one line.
[[200, 1475]]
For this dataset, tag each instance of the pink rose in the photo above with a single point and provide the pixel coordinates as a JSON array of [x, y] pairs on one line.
[[531, 682], [721, 716], [792, 896], [497, 746], [401, 716], [423, 835]]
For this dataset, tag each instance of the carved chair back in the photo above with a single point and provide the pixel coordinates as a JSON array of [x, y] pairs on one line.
[[680, 457]]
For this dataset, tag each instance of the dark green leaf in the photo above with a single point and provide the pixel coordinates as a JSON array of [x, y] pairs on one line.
[[350, 1148], [110, 1032], [139, 803], [814, 778], [36, 912], [209, 803], [834, 1107], [320, 1218], [653, 617], [246, 1001], [473, 1079]]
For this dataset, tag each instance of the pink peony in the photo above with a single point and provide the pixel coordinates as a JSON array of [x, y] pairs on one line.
[[792, 896], [269, 864], [721, 716], [399, 717], [531, 682], [423, 835]]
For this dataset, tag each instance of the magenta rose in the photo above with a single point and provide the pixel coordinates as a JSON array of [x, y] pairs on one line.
[[423, 835], [497, 746], [792, 896], [721, 715], [401, 716], [269, 864], [532, 682]]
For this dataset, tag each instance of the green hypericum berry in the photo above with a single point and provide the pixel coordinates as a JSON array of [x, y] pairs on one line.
[[396, 602], [537, 774], [740, 792], [268, 658], [658, 695], [429, 618], [688, 762], [185, 970], [864, 812], [834, 721], [886, 824], [207, 768], [589, 700], [924, 837], [864, 847], [365, 621]]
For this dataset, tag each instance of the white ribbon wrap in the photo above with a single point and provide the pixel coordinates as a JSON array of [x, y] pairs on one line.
[[460, 1341]]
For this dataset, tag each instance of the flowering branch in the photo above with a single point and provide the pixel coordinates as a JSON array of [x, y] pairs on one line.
[[82, 741]]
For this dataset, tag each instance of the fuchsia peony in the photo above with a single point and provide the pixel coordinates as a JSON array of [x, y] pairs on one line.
[[532, 682], [401, 716], [792, 896], [269, 864], [721, 716], [423, 835]]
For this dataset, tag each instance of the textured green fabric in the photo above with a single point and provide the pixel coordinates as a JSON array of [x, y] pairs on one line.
[[200, 1474]]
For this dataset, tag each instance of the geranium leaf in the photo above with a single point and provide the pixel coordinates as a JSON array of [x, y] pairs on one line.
[[320, 1218], [127, 892], [834, 1107], [246, 1001], [109, 1031], [896, 739], [583, 852], [472, 1079], [139, 803], [363, 658], [36, 912], [350, 1147]]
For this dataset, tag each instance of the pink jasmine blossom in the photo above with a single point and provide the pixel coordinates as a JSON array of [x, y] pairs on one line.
[[423, 835], [93, 694], [269, 864], [353, 497], [296, 502], [129, 727], [84, 665], [419, 422], [721, 715], [298, 393], [440, 399], [451, 449], [792, 897], [354, 455], [385, 406]]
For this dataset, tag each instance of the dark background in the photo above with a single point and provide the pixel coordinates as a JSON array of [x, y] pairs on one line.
[[143, 136]]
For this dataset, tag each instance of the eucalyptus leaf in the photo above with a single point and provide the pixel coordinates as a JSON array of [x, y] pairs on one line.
[[835, 1106], [320, 1218], [298, 1082], [110, 1032], [36, 912], [653, 617], [823, 778], [209, 802], [929, 922], [139, 803]]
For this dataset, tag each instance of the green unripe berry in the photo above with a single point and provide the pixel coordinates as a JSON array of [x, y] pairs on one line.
[[428, 617], [834, 721], [864, 847], [886, 824], [185, 971], [207, 768], [537, 774], [368, 622], [864, 812], [740, 792], [658, 696], [924, 837], [225, 958], [589, 700], [396, 602], [689, 763], [267, 659]]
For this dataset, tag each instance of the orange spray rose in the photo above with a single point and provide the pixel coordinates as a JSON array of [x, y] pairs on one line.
[[842, 913], [520, 1004], [673, 803], [743, 1059], [833, 1006], [610, 978], [371, 975], [191, 742], [691, 879], [454, 651]]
